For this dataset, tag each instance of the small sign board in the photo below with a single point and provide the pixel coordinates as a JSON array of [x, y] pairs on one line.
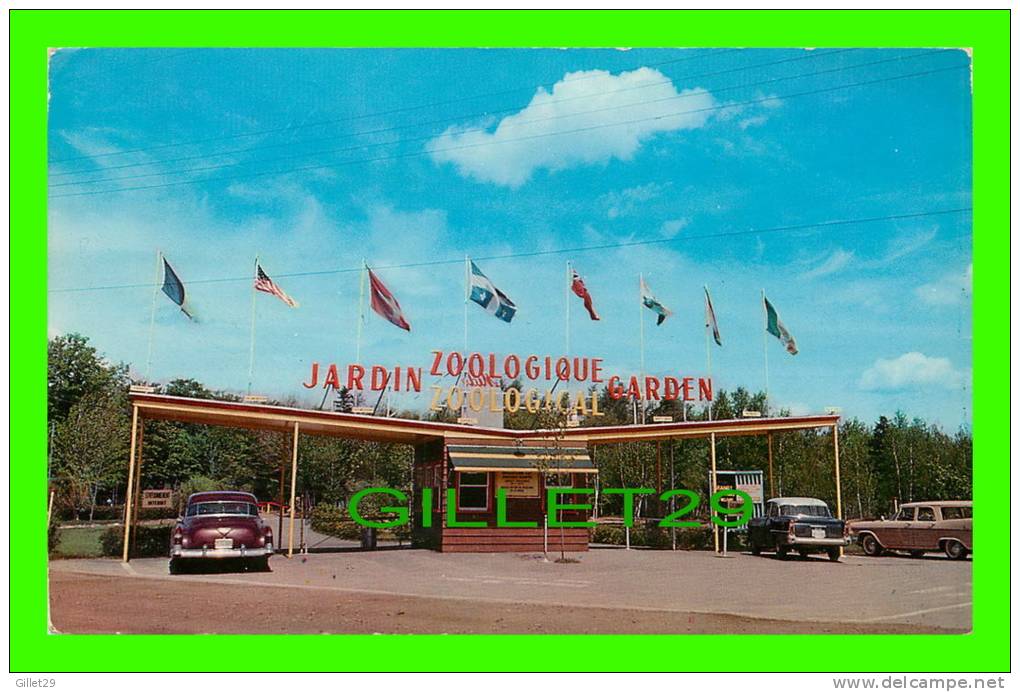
[[465, 420], [747, 413], [141, 389], [662, 419], [255, 399], [518, 483], [573, 423], [363, 410], [157, 499]]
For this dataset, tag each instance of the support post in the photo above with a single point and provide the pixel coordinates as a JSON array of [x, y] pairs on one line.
[[279, 509], [839, 493], [772, 483], [293, 491], [138, 485], [711, 489], [131, 481]]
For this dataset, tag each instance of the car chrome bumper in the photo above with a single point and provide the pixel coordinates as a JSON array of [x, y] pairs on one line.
[[807, 541], [177, 551]]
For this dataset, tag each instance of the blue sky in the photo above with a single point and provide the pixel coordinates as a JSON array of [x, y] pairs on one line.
[[689, 158]]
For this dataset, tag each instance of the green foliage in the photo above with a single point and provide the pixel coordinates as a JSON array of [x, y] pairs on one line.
[[650, 535], [332, 521], [90, 448], [76, 371], [195, 484], [150, 541]]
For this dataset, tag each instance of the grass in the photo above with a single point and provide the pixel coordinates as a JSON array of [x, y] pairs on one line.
[[79, 542]]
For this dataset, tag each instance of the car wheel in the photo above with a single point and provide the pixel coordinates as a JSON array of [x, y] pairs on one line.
[[755, 548], [955, 550], [262, 564], [175, 566], [781, 551], [833, 554], [916, 553], [870, 545], [804, 553]]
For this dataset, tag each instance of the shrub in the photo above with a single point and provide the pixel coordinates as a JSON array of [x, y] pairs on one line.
[[52, 537], [650, 534], [149, 541], [329, 520]]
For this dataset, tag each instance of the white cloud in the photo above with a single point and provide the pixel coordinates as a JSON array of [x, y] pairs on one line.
[[835, 262], [600, 116], [671, 228], [624, 202], [951, 289], [910, 370]]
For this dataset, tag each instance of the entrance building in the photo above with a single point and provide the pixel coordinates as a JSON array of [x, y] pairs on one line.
[[474, 462]]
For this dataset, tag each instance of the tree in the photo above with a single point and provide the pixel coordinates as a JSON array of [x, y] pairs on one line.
[[77, 370], [90, 448]]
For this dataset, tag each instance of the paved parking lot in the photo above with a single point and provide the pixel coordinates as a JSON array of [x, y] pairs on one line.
[[896, 594]]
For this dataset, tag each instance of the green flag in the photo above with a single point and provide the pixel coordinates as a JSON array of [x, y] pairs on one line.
[[777, 329]]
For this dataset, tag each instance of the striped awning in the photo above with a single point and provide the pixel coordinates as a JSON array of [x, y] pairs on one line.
[[548, 459]]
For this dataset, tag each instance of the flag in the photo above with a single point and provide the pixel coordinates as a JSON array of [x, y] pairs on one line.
[[265, 284], [710, 322], [173, 287], [384, 304], [489, 297], [581, 291], [652, 303], [777, 329]]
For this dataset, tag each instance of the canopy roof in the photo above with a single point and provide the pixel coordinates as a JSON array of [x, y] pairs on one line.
[[375, 428], [547, 459]]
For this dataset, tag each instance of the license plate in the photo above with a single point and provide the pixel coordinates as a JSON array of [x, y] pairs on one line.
[[224, 543], [817, 533]]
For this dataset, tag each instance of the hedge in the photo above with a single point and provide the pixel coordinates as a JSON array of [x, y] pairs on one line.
[[149, 541], [332, 521], [650, 535]]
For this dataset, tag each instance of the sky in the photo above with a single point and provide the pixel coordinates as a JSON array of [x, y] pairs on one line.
[[836, 180]]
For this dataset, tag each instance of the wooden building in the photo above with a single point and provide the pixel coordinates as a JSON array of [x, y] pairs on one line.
[[477, 470]]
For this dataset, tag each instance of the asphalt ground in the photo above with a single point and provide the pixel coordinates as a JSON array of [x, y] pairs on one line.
[[605, 590]]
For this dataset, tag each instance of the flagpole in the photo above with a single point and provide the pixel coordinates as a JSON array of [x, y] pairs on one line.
[[765, 345], [152, 318], [708, 351], [641, 339], [566, 297], [251, 347], [361, 309], [467, 298]]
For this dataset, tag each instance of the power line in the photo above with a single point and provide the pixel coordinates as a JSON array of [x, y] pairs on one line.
[[467, 116], [542, 253], [364, 116], [508, 140]]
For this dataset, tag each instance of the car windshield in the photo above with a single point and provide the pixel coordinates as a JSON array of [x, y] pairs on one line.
[[240, 508], [805, 510]]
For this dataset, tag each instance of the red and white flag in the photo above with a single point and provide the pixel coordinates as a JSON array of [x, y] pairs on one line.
[[265, 284], [581, 291], [384, 304]]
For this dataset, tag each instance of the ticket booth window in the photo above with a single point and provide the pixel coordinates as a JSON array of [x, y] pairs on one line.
[[473, 491]]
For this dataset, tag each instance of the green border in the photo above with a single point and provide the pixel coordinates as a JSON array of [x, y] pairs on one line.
[[987, 32]]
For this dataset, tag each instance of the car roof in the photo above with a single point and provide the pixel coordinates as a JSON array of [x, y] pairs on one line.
[[798, 501], [228, 495], [940, 503]]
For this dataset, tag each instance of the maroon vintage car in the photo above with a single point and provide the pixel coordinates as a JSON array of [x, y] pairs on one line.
[[221, 524]]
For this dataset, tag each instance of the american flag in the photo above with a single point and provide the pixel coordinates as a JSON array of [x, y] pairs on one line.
[[265, 284]]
